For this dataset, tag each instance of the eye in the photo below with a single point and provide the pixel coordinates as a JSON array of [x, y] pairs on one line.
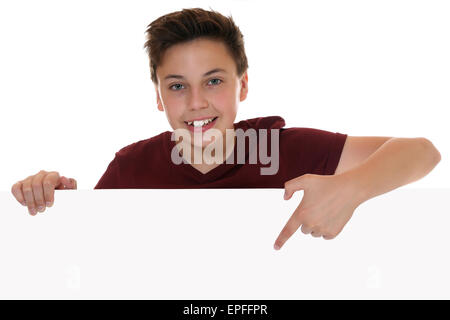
[[176, 84], [216, 79]]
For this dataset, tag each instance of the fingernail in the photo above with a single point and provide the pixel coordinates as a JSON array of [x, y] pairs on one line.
[[40, 209], [48, 204], [32, 211], [24, 204], [276, 247]]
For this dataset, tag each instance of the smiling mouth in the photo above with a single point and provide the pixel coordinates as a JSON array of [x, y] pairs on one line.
[[199, 124]]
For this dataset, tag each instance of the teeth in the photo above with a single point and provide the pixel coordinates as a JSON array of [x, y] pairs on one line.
[[200, 123]]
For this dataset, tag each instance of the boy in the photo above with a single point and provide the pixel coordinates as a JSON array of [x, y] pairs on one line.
[[199, 69]]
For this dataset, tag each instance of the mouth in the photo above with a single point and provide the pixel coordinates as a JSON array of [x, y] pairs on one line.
[[201, 125]]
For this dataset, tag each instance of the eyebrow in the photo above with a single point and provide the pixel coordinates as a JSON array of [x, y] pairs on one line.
[[176, 76]]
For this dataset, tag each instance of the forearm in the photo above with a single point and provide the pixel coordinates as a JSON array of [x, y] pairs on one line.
[[397, 162]]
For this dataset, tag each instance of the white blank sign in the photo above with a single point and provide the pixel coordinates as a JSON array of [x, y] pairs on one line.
[[218, 244]]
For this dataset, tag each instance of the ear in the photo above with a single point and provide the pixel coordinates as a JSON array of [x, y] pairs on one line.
[[244, 86], [158, 100]]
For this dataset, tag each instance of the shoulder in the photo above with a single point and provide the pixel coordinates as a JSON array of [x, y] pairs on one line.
[[145, 146], [311, 139], [309, 133], [269, 122]]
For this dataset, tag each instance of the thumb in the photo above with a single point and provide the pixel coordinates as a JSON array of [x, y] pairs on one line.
[[74, 183], [288, 193], [68, 183], [293, 185]]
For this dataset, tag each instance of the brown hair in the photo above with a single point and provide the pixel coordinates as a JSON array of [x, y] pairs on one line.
[[189, 24]]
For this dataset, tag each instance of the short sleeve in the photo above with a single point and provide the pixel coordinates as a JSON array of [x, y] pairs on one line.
[[111, 177], [309, 150], [334, 152]]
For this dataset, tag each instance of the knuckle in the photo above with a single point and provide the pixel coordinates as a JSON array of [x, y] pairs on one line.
[[27, 190], [47, 184], [318, 230], [307, 225], [317, 225], [49, 199], [315, 234], [35, 184]]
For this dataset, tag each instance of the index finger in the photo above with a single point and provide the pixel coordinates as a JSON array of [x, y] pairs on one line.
[[50, 181], [289, 229], [17, 192]]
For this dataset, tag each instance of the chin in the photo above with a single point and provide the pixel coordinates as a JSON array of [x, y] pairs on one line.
[[203, 144]]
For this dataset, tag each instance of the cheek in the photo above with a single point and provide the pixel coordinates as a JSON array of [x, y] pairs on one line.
[[173, 114], [225, 101]]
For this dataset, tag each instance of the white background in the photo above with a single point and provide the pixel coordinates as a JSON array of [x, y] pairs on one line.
[[75, 82]]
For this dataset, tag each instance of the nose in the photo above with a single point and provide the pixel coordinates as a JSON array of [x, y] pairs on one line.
[[197, 99]]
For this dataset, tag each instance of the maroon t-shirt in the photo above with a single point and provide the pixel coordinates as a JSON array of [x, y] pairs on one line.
[[147, 164]]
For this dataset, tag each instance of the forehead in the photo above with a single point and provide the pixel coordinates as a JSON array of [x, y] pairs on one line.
[[196, 55]]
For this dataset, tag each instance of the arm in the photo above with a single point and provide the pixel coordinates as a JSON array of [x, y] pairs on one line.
[[330, 200], [399, 161]]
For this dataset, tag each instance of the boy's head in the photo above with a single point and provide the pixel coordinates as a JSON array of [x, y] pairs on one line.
[[184, 47]]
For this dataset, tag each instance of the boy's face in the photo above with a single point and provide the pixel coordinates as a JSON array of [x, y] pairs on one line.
[[185, 93]]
